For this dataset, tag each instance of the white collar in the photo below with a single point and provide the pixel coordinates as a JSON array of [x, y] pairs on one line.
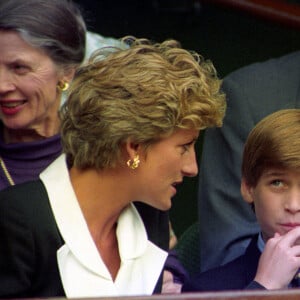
[[82, 270]]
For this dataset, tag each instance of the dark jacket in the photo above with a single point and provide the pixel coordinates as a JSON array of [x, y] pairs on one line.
[[235, 275], [30, 238]]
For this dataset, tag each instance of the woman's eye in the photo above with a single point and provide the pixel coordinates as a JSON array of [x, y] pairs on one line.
[[187, 147], [20, 69]]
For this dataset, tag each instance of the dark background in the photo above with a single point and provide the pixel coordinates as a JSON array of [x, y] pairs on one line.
[[230, 37]]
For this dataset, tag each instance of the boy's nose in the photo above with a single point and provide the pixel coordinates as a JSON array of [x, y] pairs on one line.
[[292, 203]]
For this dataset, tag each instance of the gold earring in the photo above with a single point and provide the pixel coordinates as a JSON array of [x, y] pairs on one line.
[[133, 164], [63, 86]]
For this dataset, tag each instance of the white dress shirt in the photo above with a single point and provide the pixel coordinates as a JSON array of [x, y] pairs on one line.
[[82, 270]]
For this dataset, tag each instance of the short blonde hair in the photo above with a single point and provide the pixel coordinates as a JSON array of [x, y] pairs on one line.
[[143, 92], [273, 142]]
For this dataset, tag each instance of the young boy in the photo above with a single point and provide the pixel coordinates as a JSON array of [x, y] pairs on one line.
[[271, 184]]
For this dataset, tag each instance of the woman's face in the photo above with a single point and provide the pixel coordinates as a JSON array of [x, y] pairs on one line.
[[29, 98], [165, 165]]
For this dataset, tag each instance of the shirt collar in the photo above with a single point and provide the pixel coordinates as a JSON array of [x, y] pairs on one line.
[[80, 264], [260, 243]]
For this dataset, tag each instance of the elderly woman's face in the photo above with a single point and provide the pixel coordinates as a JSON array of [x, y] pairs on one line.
[[29, 98]]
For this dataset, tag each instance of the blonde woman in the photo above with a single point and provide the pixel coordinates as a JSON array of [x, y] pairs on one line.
[[128, 133]]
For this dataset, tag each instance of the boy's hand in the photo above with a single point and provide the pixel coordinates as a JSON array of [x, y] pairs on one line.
[[279, 261]]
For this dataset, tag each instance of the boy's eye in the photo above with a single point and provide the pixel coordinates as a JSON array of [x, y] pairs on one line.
[[277, 183]]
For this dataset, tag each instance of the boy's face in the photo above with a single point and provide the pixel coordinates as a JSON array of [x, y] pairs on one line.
[[276, 199]]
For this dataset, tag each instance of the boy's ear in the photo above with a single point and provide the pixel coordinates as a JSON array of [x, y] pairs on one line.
[[247, 191]]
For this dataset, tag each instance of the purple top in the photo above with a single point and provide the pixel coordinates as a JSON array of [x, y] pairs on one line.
[[25, 161]]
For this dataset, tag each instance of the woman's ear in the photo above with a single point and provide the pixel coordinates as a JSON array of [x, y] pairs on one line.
[[131, 148], [68, 74], [247, 191]]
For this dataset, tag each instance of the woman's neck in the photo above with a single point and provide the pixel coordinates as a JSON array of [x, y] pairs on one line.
[[96, 194], [101, 207], [28, 135]]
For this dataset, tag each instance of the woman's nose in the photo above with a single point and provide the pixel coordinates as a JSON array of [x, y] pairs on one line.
[[6, 84], [190, 167]]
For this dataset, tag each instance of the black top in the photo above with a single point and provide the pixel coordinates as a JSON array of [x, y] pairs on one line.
[[30, 240]]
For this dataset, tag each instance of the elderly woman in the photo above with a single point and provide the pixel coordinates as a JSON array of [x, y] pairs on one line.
[[128, 133], [42, 43]]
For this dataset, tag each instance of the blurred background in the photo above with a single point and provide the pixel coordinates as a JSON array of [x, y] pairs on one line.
[[231, 33]]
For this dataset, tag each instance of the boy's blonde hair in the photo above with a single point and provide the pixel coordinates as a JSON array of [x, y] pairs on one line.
[[273, 142]]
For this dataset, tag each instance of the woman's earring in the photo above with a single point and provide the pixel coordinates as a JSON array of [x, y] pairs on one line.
[[133, 164], [63, 86]]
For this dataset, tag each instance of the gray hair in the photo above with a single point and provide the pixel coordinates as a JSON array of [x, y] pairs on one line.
[[55, 26]]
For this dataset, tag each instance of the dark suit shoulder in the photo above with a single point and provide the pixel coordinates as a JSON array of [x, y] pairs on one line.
[[235, 275], [23, 193], [28, 199], [278, 66], [30, 239]]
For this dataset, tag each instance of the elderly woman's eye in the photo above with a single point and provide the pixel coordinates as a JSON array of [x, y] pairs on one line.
[[20, 69]]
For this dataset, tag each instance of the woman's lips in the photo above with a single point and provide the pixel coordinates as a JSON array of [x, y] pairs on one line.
[[11, 107]]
